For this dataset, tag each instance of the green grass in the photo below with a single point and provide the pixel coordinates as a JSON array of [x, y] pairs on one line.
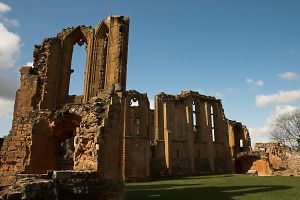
[[223, 187]]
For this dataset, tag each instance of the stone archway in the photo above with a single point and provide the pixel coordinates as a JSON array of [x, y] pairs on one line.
[[244, 163], [251, 162], [64, 133]]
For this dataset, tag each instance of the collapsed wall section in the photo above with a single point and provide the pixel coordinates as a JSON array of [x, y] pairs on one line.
[[76, 137], [281, 159]]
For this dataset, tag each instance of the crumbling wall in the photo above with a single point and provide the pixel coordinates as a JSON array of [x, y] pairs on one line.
[[269, 159], [14, 152], [46, 85], [53, 130], [94, 128], [136, 142], [283, 161], [239, 138]]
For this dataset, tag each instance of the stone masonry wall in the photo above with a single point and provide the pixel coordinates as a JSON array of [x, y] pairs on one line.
[[25, 148], [137, 131], [281, 159], [63, 185], [194, 130]]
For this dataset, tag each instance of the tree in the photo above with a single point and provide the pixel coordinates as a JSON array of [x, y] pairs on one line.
[[286, 129]]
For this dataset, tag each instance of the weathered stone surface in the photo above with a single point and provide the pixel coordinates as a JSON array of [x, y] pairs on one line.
[[269, 159], [281, 159]]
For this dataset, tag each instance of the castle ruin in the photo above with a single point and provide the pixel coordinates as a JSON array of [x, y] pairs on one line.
[[63, 146]]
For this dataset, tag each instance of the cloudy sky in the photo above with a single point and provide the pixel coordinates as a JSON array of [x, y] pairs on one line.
[[246, 52]]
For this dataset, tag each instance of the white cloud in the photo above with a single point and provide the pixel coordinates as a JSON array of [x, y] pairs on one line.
[[9, 47], [263, 133], [252, 83], [6, 108], [4, 8], [10, 22], [288, 76], [10, 42], [281, 97]]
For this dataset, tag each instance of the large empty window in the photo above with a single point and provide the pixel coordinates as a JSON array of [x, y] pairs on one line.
[[78, 68]]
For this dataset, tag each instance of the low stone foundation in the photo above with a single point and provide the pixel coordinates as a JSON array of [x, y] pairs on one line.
[[63, 185]]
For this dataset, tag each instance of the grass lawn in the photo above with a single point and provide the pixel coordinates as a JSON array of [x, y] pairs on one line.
[[223, 187]]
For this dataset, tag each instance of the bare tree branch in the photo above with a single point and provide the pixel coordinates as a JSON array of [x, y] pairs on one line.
[[286, 129]]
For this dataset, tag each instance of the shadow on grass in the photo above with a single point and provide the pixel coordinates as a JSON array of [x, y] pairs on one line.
[[158, 187], [207, 177], [195, 191]]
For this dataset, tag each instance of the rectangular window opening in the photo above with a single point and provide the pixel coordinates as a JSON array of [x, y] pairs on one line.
[[194, 116]]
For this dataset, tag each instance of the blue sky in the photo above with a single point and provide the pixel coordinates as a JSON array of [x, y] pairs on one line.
[[245, 52]]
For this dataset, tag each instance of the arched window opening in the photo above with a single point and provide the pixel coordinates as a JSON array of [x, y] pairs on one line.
[[177, 154], [78, 68], [134, 102], [212, 118]]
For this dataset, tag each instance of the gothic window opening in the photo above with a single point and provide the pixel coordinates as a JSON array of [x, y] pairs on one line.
[[78, 63]]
